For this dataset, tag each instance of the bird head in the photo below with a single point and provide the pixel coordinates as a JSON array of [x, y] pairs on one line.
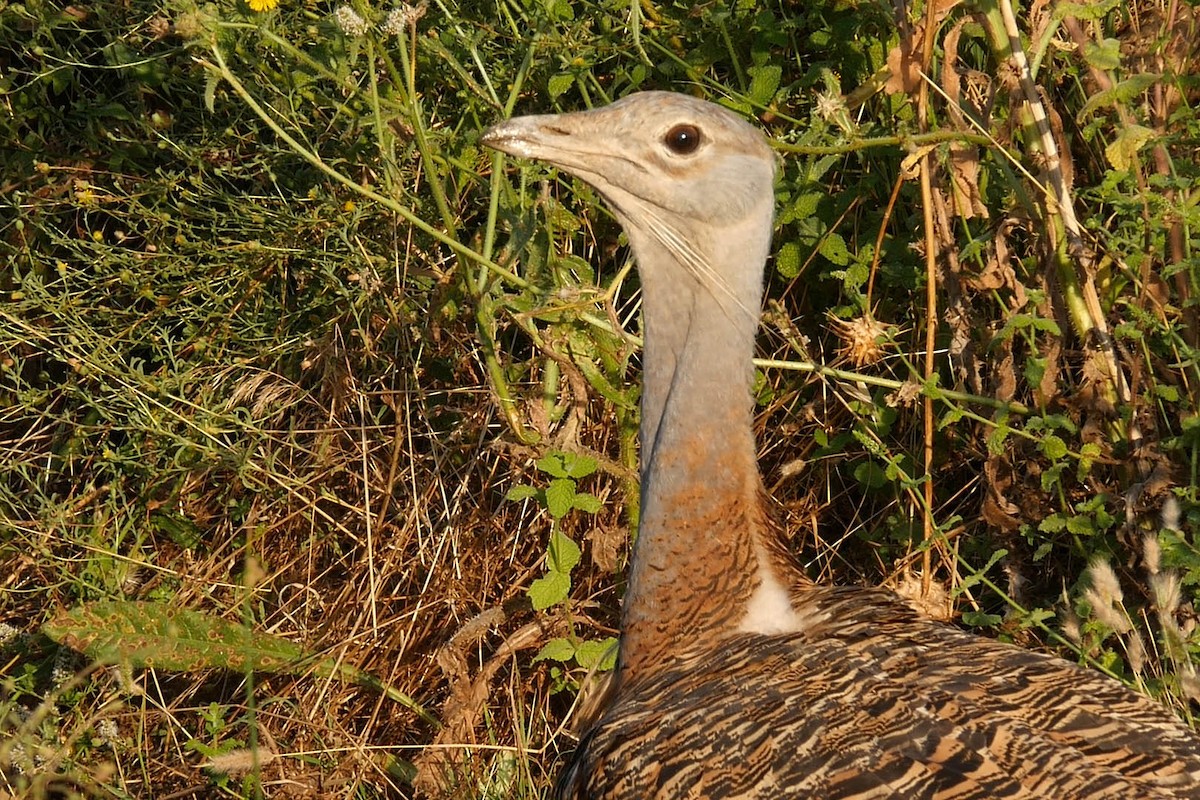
[[687, 179]]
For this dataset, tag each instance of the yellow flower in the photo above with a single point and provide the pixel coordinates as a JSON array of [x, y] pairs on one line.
[[262, 5]]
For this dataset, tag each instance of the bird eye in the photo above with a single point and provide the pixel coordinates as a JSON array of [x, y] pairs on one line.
[[682, 139]]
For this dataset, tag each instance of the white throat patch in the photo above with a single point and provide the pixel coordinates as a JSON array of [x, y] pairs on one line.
[[770, 608]]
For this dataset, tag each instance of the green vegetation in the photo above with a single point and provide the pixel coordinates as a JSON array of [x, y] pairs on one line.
[[289, 364]]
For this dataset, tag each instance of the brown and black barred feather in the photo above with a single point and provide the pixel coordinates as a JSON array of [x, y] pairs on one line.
[[879, 703]]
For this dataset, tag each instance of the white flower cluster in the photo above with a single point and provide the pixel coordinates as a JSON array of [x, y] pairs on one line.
[[401, 17], [107, 732], [350, 22], [8, 635]]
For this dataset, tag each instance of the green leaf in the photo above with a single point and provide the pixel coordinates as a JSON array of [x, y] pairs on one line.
[[1053, 447], [1122, 151], [1105, 55], [563, 553], [870, 474], [805, 204], [552, 465], [587, 503], [560, 497], [623, 397], [522, 491], [787, 261], [1122, 93], [981, 619], [578, 466], [162, 636], [1052, 476], [1052, 524], [975, 577], [559, 84], [764, 82], [1094, 10], [210, 91], [997, 438], [599, 654], [833, 247], [560, 649], [178, 528], [1081, 525], [548, 590], [1089, 452]]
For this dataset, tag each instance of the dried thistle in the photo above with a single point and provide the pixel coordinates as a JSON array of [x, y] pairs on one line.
[[861, 339]]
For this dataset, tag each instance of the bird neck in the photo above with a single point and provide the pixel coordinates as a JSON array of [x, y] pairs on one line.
[[705, 551]]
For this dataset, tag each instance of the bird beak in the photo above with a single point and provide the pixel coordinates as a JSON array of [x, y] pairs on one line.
[[543, 137], [520, 136]]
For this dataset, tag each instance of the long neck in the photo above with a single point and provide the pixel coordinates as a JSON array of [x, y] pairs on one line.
[[704, 547]]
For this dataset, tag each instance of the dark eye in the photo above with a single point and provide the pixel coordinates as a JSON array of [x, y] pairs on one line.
[[683, 139]]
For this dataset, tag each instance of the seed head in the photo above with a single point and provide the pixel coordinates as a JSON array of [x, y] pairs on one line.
[[350, 22], [860, 339]]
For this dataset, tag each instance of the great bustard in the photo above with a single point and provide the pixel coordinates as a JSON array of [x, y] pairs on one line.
[[738, 677]]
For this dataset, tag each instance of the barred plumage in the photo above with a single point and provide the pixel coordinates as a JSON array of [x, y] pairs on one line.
[[878, 703], [738, 677]]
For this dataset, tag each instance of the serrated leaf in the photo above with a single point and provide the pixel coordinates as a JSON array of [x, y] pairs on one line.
[[158, 635], [1081, 525], [558, 84], [579, 466], [981, 619], [1104, 55], [548, 590], [560, 496], [563, 553], [1122, 151], [787, 260], [833, 247], [1053, 447], [870, 474], [764, 82], [805, 204], [599, 654], [1051, 477], [975, 577], [622, 397], [587, 503], [1120, 94], [522, 491], [1095, 10], [1052, 524], [552, 465], [560, 649], [147, 635]]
